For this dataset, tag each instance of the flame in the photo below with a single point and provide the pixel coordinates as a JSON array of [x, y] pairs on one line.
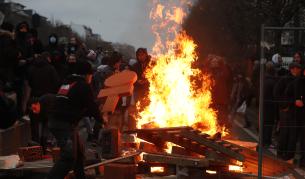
[[236, 168], [212, 172], [179, 95], [157, 169]]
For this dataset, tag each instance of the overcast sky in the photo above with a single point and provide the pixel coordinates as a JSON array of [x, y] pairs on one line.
[[125, 21]]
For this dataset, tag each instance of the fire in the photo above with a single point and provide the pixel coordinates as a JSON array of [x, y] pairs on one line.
[[235, 168], [212, 172], [157, 169], [179, 95]]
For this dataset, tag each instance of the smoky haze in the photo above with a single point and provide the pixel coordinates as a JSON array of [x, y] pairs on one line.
[[123, 21]]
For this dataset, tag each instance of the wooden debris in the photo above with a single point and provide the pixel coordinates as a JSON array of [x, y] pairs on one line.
[[111, 103], [176, 160], [213, 145], [125, 90], [123, 78]]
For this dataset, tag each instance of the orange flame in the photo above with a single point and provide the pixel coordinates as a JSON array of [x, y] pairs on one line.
[[157, 169], [235, 168], [179, 94]]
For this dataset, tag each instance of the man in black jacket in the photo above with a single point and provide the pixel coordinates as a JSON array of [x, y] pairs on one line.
[[287, 130], [73, 101], [141, 86], [41, 79], [296, 93]]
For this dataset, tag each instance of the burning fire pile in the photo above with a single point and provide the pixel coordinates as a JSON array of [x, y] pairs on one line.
[[178, 115], [179, 95]]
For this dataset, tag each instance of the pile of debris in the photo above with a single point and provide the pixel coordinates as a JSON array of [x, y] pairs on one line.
[[193, 155]]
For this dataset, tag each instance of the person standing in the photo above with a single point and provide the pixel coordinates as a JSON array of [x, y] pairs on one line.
[[287, 123], [223, 80], [139, 66], [41, 78], [74, 101], [295, 93], [269, 105]]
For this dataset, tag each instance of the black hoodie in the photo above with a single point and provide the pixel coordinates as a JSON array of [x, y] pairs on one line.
[[21, 40], [73, 101], [42, 78]]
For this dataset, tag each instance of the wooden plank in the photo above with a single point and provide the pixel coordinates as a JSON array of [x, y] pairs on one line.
[[196, 148], [110, 161], [167, 129], [147, 147], [125, 90], [181, 161], [123, 78], [159, 142], [271, 165], [245, 144], [111, 103], [212, 145]]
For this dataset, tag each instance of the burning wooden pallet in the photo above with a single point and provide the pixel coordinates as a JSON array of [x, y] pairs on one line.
[[215, 152]]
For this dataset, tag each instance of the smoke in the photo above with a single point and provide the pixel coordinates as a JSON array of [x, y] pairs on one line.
[[218, 27]]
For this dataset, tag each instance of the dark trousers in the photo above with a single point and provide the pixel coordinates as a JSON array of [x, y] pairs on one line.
[[288, 136], [35, 127], [71, 156], [39, 131]]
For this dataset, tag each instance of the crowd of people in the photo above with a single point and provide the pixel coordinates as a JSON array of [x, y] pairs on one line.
[[283, 105], [56, 86]]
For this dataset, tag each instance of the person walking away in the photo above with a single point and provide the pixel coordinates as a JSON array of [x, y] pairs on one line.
[[74, 101]]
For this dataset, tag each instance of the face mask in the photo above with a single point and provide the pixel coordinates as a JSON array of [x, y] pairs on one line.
[[53, 40]]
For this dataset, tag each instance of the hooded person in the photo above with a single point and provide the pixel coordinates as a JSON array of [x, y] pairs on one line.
[[41, 78], [22, 35], [74, 101], [57, 56], [76, 47], [35, 45], [287, 122]]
